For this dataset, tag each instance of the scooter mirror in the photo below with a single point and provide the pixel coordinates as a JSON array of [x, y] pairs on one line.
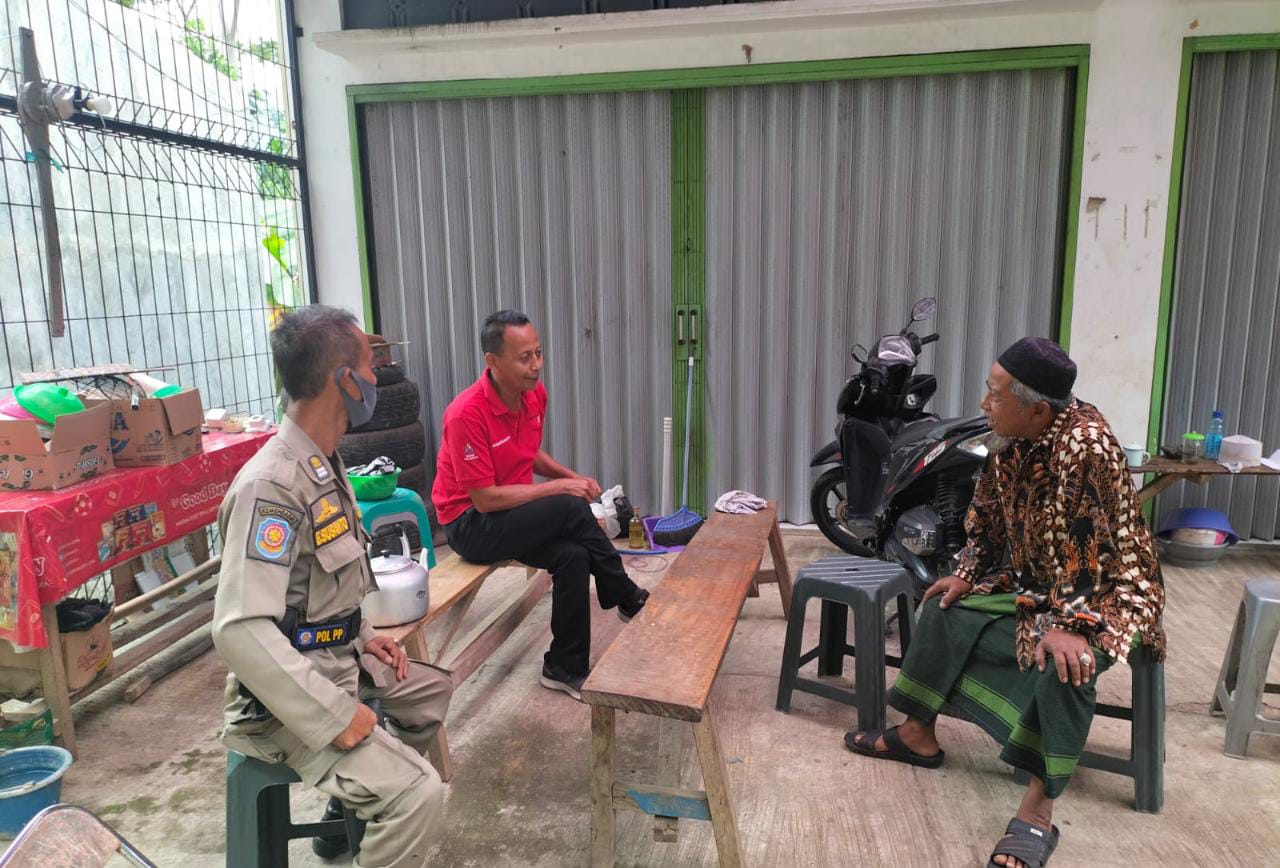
[[923, 309], [859, 353]]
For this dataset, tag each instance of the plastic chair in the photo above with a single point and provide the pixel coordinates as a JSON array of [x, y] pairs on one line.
[[1243, 679], [259, 826], [845, 582], [68, 836]]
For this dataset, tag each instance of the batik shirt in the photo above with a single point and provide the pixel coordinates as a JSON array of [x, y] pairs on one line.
[[1057, 522]]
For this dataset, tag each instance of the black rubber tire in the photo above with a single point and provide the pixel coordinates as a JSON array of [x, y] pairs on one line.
[[397, 406], [414, 536], [415, 479], [831, 485], [389, 375], [404, 445]]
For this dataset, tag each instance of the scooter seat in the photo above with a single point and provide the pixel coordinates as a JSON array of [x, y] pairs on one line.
[[938, 429], [914, 431]]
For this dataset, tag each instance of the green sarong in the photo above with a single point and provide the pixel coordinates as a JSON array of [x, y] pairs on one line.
[[963, 657]]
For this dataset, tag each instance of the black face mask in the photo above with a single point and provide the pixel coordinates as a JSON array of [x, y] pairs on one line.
[[358, 412]]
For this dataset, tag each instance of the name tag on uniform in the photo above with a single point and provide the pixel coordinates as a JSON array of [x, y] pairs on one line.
[[332, 531], [328, 520], [321, 636]]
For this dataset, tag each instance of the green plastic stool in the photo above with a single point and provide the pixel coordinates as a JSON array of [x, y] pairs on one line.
[[404, 505], [259, 827], [1145, 713]]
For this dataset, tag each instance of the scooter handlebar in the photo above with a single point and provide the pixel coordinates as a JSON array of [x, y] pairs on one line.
[[928, 339]]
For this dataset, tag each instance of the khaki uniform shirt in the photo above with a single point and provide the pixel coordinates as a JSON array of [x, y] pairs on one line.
[[291, 537]]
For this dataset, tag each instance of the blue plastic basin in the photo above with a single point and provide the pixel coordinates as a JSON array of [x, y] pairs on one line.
[[30, 781]]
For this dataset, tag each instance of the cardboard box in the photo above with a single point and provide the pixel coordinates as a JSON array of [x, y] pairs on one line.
[[157, 431], [80, 449], [86, 653]]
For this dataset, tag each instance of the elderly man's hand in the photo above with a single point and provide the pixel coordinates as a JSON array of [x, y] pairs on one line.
[[1070, 654], [951, 588]]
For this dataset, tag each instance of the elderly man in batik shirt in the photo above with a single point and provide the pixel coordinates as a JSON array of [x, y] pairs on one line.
[[1058, 579]]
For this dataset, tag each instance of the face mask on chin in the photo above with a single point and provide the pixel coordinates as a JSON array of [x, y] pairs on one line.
[[358, 412]]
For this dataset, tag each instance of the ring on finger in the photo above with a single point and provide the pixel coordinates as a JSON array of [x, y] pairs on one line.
[[1086, 659]]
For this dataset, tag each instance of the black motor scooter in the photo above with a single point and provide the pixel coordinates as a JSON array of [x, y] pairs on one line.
[[900, 479]]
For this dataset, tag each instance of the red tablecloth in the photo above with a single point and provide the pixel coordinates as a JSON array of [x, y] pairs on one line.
[[51, 542]]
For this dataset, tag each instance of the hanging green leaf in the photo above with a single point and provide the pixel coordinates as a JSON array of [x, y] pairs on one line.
[[274, 243]]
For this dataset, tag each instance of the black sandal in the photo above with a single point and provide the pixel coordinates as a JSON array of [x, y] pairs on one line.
[[864, 743], [1029, 844]]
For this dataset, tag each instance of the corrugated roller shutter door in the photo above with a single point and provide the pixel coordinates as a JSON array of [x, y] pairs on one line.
[[1223, 343], [555, 205], [831, 207]]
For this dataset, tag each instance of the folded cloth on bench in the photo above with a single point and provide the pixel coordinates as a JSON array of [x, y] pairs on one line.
[[740, 503]]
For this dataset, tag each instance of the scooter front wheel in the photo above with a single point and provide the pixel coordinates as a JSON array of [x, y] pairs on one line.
[[829, 504]]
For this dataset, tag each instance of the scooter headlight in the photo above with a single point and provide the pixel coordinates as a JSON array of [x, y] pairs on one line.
[[975, 446]]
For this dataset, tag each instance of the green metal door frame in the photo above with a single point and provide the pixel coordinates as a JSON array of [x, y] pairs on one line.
[[1191, 46], [688, 166]]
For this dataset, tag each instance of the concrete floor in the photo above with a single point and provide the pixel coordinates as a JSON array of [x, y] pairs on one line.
[[155, 770]]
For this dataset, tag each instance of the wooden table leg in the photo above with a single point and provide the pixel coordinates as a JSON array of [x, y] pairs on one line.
[[716, 781], [123, 584], [670, 738], [197, 543], [438, 753], [53, 677], [1157, 485], [489, 636], [602, 773], [453, 621], [415, 645], [780, 567]]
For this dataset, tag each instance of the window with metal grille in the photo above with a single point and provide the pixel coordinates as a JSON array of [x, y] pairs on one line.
[[178, 210]]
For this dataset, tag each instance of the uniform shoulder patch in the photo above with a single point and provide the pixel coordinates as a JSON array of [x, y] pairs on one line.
[[319, 468], [271, 532], [270, 509]]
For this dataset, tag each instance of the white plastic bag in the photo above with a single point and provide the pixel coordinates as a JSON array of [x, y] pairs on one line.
[[597, 509], [609, 510]]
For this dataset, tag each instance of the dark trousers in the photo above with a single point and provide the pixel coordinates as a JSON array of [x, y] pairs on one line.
[[560, 535]]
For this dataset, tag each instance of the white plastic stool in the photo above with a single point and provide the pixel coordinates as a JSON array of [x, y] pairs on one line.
[[1243, 679]]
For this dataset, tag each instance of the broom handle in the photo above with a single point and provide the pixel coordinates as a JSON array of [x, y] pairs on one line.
[[667, 451], [688, 429]]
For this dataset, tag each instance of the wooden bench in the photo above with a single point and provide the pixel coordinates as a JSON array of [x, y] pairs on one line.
[[664, 663], [454, 584]]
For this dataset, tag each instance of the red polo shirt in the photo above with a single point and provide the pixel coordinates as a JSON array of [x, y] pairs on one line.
[[483, 443]]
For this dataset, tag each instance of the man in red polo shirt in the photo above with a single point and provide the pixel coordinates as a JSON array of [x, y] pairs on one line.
[[492, 510]]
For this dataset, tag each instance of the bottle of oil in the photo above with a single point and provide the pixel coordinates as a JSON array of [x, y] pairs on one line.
[[635, 532]]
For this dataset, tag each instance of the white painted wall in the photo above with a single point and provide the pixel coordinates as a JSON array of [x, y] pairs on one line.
[[1134, 65]]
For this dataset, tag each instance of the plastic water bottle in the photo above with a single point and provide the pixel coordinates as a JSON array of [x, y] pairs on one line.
[[1213, 436]]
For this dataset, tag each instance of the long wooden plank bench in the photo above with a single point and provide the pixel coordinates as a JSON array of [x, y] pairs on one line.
[[664, 663], [454, 584]]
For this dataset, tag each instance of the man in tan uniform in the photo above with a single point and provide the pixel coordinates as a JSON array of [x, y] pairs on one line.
[[287, 617]]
